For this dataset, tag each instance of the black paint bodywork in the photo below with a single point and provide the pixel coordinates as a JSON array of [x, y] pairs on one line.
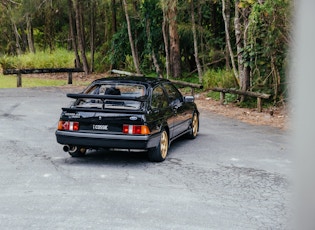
[[175, 116]]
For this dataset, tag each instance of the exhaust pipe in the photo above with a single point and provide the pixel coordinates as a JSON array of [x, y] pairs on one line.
[[72, 149], [69, 149], [66, 148]]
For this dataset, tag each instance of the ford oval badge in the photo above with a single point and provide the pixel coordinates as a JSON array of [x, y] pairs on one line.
[[133, 118]]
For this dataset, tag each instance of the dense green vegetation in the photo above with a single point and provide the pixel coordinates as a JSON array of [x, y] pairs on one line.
[[55, 59], [219, 43]]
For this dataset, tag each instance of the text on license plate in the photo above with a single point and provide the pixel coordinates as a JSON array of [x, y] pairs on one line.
[[100, 127]]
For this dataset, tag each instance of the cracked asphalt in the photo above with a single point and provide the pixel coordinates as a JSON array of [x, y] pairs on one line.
[[233, 176]]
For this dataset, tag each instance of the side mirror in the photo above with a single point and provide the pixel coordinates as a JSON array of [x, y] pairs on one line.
[[189, 98]]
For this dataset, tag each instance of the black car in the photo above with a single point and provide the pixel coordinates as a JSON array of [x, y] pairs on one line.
[[127, 113]]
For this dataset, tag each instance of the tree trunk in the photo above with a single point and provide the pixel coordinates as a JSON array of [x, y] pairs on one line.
[[174, 41], [30, 37], [80, 36], [132, 46], [202, 46], [166, 43], [114, 16], [17, 39], [92, 35], [246, 80], [155, 61], [81, 21], [195, 40], [239, 45], [227, 14], [276, 76], [228, 39], [72, 36], [49, 30]]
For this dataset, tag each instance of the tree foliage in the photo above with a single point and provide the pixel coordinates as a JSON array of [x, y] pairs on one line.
[[268, 41], [169, 37]]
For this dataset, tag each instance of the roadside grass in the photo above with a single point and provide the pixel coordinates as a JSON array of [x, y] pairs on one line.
[[28, 82], [229, 98]]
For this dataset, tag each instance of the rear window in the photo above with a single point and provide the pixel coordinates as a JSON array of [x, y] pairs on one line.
[[120, 90]]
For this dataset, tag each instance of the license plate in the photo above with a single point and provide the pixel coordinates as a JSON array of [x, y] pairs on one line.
[[100, 127]]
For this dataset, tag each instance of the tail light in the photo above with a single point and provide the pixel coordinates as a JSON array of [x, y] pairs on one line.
[[136, 129], [68, 125]]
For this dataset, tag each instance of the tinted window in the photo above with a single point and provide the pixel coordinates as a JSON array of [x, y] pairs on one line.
[[173, 94], [158, 100], [115, 89], [132, 90]]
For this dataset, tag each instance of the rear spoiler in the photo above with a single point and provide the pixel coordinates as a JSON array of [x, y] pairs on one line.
[[103, 97], [93, 110]]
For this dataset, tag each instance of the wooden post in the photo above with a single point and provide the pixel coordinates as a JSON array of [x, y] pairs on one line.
[[19, 80], [222, 97], [70, 78], [259, 104]]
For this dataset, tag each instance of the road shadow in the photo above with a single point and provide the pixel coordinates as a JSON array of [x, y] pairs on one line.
[[117, 157], [107, 157]]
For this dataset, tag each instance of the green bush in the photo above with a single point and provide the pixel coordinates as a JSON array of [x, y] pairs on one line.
[[60, 58], [5, 62], [101, 63], [218, 78], [228, 97], [129, 65], [214, 95]]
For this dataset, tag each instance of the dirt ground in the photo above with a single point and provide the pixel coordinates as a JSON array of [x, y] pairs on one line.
[[273, 116]]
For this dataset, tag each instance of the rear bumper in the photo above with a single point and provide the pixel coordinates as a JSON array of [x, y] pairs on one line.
[[97, 140]]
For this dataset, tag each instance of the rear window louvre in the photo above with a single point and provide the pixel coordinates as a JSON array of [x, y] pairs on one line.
[[80, 109], [103, 97]]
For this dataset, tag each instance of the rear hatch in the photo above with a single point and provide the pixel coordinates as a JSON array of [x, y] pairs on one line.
[[102, 121], [107, 108]]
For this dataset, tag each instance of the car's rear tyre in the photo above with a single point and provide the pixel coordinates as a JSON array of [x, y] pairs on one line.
[[194, 127], [77, 151], [159, 153]]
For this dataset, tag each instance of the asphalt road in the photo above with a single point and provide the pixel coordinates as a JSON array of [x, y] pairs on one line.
[[233, 176]]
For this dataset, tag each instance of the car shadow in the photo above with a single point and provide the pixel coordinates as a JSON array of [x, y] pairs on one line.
[[106, 157], [109, 157]]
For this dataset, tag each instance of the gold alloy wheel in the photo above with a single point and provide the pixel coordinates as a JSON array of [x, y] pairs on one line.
[[164, 144], [195, 125]]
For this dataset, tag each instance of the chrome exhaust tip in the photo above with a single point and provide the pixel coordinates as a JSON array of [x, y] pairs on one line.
[[66, 148]]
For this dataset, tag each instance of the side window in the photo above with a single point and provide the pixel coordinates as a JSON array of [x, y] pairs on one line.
[[173, 94], [158, 100]]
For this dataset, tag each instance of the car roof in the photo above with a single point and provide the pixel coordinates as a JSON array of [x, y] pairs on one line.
[[131, 79]]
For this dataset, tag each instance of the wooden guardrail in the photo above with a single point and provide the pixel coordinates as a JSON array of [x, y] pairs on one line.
[[182, 83], [19, 73], [193, 86], [259, 96], [121, 72]]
